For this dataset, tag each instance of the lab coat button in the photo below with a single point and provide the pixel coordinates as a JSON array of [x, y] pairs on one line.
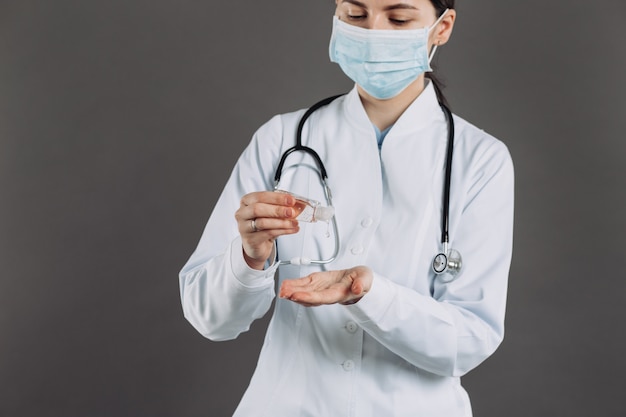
[[367, 222], [351, 327], [357, 250], [348, 365]]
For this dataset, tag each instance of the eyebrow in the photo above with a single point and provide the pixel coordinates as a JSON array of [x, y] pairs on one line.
[[391, 7]]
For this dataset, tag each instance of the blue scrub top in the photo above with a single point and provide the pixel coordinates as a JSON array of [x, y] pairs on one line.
[[380, 136]]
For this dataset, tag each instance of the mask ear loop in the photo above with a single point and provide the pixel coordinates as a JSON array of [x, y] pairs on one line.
[[432, 53]]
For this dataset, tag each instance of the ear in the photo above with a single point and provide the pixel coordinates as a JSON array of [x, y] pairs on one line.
[[443, 31]]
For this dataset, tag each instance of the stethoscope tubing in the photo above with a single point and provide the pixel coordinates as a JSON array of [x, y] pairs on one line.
[[445, 226], [445, 223], [299, 147]]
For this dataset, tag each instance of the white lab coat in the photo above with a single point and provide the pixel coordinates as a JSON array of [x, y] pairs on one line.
[[399, 351]]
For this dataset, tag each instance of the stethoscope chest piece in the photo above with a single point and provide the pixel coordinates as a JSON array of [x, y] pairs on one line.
[[440, 263], [449, 263]]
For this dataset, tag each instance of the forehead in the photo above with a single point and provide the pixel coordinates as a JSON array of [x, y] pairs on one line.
[[389, 4]]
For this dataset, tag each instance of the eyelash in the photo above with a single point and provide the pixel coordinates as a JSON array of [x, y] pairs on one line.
[[398, 22]]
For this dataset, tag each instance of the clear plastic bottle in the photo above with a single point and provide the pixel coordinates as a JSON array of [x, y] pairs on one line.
[[310, 211]]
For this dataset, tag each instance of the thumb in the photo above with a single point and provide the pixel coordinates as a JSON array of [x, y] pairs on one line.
[[357, 287]]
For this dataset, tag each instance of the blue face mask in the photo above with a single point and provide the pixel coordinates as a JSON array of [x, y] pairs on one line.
[[382, 62]]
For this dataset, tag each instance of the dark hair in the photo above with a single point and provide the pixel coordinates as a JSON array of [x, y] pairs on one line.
[[440, 7]]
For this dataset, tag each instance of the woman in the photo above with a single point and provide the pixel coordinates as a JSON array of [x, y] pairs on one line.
[[389, 336]]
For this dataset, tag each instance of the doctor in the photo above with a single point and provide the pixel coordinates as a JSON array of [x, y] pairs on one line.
[[376, 332]]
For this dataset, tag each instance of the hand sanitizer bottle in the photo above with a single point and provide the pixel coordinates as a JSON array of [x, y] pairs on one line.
[[310, 211]]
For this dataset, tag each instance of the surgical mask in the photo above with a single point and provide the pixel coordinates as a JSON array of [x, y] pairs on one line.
[[382, 62]]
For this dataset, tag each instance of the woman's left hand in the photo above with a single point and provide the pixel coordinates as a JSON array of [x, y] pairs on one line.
[[329, 287]]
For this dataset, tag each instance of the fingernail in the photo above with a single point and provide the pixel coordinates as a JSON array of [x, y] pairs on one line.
[[288, 212]]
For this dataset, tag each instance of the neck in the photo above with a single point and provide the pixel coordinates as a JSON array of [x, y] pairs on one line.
[[384, 113]]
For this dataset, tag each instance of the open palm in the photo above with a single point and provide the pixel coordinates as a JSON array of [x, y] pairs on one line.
[[345, 286]]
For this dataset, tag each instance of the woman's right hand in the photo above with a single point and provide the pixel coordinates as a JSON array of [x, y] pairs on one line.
[[261, 218]]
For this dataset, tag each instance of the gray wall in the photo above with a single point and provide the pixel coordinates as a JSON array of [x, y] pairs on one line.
[[120, 122]]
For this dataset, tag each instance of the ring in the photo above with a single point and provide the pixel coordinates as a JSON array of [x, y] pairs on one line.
[[253, 225]]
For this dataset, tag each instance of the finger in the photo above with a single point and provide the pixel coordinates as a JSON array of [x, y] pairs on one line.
[[261, 237], [331, 295], [297, 283], [265, 224], [361, 280], [357, 287], [290, 286], [313, 282], [268, 197], [262, 210], [318, 279]]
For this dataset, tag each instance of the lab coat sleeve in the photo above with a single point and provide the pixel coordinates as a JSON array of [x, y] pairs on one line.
[[462, 323], [221, 296]]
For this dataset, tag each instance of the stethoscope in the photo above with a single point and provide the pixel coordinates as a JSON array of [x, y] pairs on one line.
[[449, 260]]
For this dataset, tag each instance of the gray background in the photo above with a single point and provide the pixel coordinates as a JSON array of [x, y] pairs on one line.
[[120, 122]]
